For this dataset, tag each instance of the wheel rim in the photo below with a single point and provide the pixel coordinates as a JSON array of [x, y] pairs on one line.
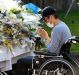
[[56, 67]]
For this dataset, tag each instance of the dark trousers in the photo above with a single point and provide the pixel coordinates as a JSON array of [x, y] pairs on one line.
[[22, 66]]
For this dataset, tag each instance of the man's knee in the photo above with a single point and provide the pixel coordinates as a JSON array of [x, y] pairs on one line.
[[23, 64], [25, 61]]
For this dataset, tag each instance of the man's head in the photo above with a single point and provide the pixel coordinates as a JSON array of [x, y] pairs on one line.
[[49, 16]]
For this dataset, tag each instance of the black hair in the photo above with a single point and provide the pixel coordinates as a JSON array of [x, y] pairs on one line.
[[47, 11]]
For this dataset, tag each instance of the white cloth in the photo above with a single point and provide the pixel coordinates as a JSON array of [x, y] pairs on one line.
[[6, 57]]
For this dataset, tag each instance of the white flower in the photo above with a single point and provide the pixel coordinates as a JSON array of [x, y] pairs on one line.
[[12, 16]]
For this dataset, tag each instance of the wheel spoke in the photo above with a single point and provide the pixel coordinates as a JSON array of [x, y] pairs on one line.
[[56, 68]]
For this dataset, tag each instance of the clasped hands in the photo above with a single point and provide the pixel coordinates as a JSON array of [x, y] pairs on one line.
[[43, 34]]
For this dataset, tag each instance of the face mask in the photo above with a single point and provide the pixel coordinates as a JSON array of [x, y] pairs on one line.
[[50, 25]]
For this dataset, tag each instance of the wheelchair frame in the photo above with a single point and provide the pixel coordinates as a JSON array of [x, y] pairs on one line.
[[66, 58]]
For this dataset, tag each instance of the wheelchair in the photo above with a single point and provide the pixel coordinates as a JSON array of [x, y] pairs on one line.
[[45, 63]]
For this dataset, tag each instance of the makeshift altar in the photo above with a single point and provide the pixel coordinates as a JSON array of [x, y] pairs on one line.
[[17, 31]]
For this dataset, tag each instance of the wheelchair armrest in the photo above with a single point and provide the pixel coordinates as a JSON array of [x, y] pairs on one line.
[[45, 53]]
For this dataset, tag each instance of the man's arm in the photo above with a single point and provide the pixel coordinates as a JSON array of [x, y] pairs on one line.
[[53, 44], [48, 39]]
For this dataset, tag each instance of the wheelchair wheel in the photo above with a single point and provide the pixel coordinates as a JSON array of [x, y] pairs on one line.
[[57, 66]]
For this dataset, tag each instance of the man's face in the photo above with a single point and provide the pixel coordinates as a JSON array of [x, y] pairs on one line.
[[49, 20]]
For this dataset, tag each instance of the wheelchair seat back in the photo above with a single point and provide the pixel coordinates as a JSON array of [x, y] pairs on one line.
[[67, 45], [65, 48]]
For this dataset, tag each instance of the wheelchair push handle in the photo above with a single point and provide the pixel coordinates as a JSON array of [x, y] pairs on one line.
[[73, 39]]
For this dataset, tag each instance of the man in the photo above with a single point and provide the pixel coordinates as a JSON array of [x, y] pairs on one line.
[[60, 33]]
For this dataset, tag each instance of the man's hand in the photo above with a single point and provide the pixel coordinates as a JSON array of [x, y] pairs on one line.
[[42, 33]]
